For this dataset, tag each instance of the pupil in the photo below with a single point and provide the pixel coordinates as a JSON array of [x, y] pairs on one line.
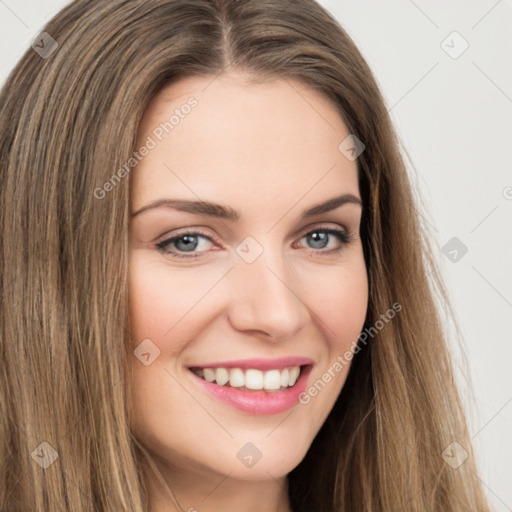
[[190, 244], [318, 237]]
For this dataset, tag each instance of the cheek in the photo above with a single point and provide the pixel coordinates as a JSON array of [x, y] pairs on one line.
[[341, 299], [341, 314], [351, 303], [161, 303], [161, 300]]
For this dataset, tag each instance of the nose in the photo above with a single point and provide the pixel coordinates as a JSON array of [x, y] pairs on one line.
[[264, 300]]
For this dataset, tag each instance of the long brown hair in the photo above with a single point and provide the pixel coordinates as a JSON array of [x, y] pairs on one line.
[[69, 120]]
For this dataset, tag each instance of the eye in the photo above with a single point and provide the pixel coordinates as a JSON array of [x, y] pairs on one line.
[[319, 238], [185, 244]]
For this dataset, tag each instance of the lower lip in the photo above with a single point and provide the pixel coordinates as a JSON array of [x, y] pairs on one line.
[[259, 402]]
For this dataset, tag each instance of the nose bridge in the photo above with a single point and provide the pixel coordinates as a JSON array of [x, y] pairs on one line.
[[263, 297]]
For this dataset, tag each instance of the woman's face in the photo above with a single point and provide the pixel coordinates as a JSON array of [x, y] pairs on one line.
[[211, 289]]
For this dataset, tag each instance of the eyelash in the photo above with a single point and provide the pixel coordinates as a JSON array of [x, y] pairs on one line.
[[343, 236]]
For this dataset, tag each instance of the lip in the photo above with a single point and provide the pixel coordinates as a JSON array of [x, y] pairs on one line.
[[258, 402], [259, 363]]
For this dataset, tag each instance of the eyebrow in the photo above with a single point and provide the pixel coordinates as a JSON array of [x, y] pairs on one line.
[[228, 213]]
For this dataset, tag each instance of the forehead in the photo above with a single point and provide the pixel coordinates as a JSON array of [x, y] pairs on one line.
[[242, 142]]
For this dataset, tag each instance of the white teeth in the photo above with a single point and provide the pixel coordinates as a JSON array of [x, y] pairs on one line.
[[272, 380], [221, 376], [209, 374], [251, 378], [284, 377], [236, 378], [294, 375]]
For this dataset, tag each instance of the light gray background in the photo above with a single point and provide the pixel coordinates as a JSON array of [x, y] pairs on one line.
[[454, 118]]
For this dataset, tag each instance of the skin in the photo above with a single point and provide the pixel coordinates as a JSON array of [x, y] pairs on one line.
[[270, 151]]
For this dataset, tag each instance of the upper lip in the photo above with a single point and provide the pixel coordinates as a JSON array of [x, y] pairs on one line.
[[258, 363]]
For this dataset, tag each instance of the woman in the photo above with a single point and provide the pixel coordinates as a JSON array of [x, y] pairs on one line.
[[295, 359]]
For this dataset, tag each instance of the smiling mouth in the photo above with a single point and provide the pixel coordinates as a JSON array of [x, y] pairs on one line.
[[252, 379]]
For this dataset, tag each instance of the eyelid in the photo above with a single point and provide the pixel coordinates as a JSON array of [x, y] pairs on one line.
[[322, 225], [207, 233], [186, 231]]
